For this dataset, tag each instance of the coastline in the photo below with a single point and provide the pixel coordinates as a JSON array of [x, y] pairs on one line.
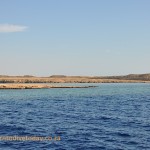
[[74, 79], [37, 86], [33, 82]]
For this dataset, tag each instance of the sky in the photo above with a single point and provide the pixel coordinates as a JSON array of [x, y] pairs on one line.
[[74, 37]]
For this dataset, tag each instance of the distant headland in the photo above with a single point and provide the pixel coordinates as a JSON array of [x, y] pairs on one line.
[[33, 82], [131, 78]]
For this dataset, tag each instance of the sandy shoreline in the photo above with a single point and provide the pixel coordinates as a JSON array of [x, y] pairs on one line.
[[65, 80], [37, 86], [143, 78]]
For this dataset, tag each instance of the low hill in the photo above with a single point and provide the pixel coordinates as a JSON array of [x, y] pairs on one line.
[[131, 78], [144, 77]]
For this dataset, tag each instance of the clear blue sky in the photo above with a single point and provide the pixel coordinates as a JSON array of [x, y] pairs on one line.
[[74, 37]]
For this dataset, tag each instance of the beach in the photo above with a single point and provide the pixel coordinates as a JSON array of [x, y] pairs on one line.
[[37, 86]]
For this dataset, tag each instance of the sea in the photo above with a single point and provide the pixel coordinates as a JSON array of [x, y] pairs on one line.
[[110, 116]]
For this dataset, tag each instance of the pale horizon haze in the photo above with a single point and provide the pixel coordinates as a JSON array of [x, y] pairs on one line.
[[80, 37]]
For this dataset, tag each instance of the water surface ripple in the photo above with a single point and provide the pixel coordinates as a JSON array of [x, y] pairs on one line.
[[110, 116]]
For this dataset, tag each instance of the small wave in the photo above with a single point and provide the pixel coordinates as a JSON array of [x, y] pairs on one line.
[[123, 134]]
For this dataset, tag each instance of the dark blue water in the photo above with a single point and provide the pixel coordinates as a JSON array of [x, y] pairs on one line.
[[110, 116]]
